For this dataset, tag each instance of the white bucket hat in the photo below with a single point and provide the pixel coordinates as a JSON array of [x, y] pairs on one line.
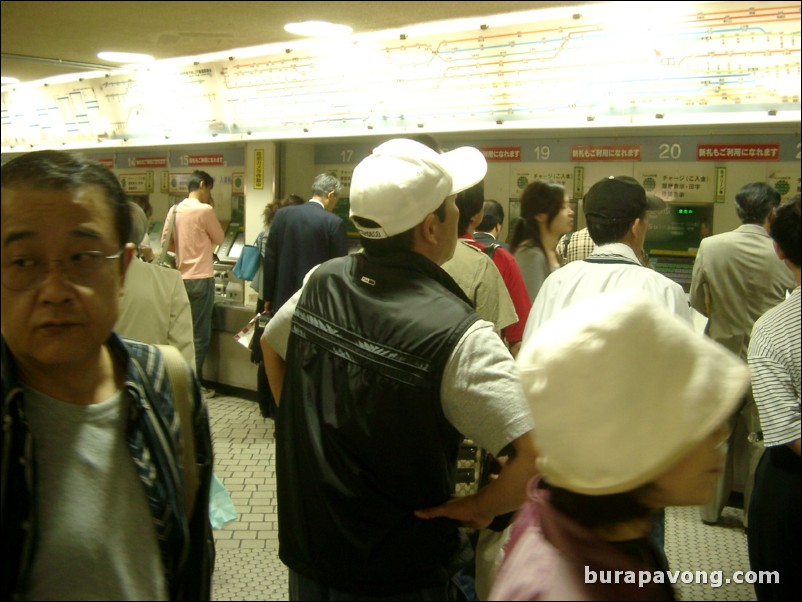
[[620, 389], [403, 181]]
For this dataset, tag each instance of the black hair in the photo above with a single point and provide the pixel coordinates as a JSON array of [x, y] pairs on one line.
[[785, 230], [469, 202], [754, 202], [428, 140], [56, 170], [604, 231], [538, 197], [199, 177], [600, 510], [494, 216]]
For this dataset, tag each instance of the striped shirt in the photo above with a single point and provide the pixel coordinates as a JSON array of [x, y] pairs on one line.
[[774, 358]]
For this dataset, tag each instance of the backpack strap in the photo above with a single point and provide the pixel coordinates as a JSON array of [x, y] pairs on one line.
[[166, 246], [566, 242], [178, 376], [490, 249]]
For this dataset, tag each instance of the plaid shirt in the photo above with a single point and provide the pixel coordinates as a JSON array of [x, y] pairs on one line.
[[575, 246], [578, 245], [155, 443]]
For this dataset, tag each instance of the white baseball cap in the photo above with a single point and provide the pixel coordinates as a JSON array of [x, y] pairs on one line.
[[403, 181], [621, 389]]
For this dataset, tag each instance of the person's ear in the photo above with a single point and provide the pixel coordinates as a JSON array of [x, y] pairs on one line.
[[779, 251], [129, 254], [428, 229]]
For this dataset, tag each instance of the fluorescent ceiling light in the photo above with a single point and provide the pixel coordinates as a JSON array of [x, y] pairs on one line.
[[8, 80], [314, 29], [124, 57]]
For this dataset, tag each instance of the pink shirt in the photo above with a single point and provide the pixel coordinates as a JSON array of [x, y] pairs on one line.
[[198, 232]]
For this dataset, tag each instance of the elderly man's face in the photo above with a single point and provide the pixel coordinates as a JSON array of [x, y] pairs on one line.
[[60, 313]]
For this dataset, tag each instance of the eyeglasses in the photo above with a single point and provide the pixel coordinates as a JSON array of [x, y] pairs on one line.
[[81, 269]]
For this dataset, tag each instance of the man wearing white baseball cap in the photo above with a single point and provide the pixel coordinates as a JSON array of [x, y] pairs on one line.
[[381, 368], [641, 427]]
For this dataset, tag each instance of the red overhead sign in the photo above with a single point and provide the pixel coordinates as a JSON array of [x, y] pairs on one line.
[[606, 152], [149, 162], [200, 160], [738, 152]]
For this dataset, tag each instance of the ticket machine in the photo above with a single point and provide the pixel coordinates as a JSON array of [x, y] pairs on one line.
[[674, 236], [227, 287]]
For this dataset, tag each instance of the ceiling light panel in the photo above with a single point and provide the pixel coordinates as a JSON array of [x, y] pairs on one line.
[[714, 60]]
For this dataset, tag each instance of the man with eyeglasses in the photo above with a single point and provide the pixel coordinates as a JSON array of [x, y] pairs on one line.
[[93, 496]]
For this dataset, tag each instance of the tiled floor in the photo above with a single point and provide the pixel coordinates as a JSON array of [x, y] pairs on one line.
[[248, 567]]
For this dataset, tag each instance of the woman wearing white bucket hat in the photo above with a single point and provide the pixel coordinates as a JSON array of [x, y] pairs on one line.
[[617, 444]]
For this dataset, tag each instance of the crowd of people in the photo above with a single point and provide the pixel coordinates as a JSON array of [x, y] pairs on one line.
[[378, 365]]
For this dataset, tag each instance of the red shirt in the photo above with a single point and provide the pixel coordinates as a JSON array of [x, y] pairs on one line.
[[511, 274]]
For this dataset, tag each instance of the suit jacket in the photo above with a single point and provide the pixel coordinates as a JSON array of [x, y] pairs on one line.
[[300, 237], [737, 277]]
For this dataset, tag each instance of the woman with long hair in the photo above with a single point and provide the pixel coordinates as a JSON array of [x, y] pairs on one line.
[[545, 217], [261, 241]]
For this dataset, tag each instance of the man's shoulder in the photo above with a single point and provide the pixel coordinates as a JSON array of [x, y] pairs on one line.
[[470, 245], [153, 273], [503, 255], [779, 314], [664, 281], [730, 237], [141, 353], [473, 255]]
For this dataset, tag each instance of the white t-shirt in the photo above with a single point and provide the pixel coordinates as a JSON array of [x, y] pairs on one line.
[[580, 279]]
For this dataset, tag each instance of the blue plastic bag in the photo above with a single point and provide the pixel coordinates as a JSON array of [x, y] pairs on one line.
[[221, 508]]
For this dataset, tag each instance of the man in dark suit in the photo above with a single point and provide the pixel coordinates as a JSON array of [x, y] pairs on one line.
[[301, 237]]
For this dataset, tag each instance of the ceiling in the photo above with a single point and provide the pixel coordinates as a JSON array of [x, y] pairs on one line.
[[45, 39], [227, 71]]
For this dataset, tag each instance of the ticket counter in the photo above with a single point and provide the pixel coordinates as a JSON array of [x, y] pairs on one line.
[[227, 362]]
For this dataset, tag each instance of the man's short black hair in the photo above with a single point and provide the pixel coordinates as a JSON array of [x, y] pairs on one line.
[[59, 170], [494, 216], [469, 202], [785, 230]]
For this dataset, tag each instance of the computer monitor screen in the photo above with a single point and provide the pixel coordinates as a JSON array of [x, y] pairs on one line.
[[673, 239], [679, 228]]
